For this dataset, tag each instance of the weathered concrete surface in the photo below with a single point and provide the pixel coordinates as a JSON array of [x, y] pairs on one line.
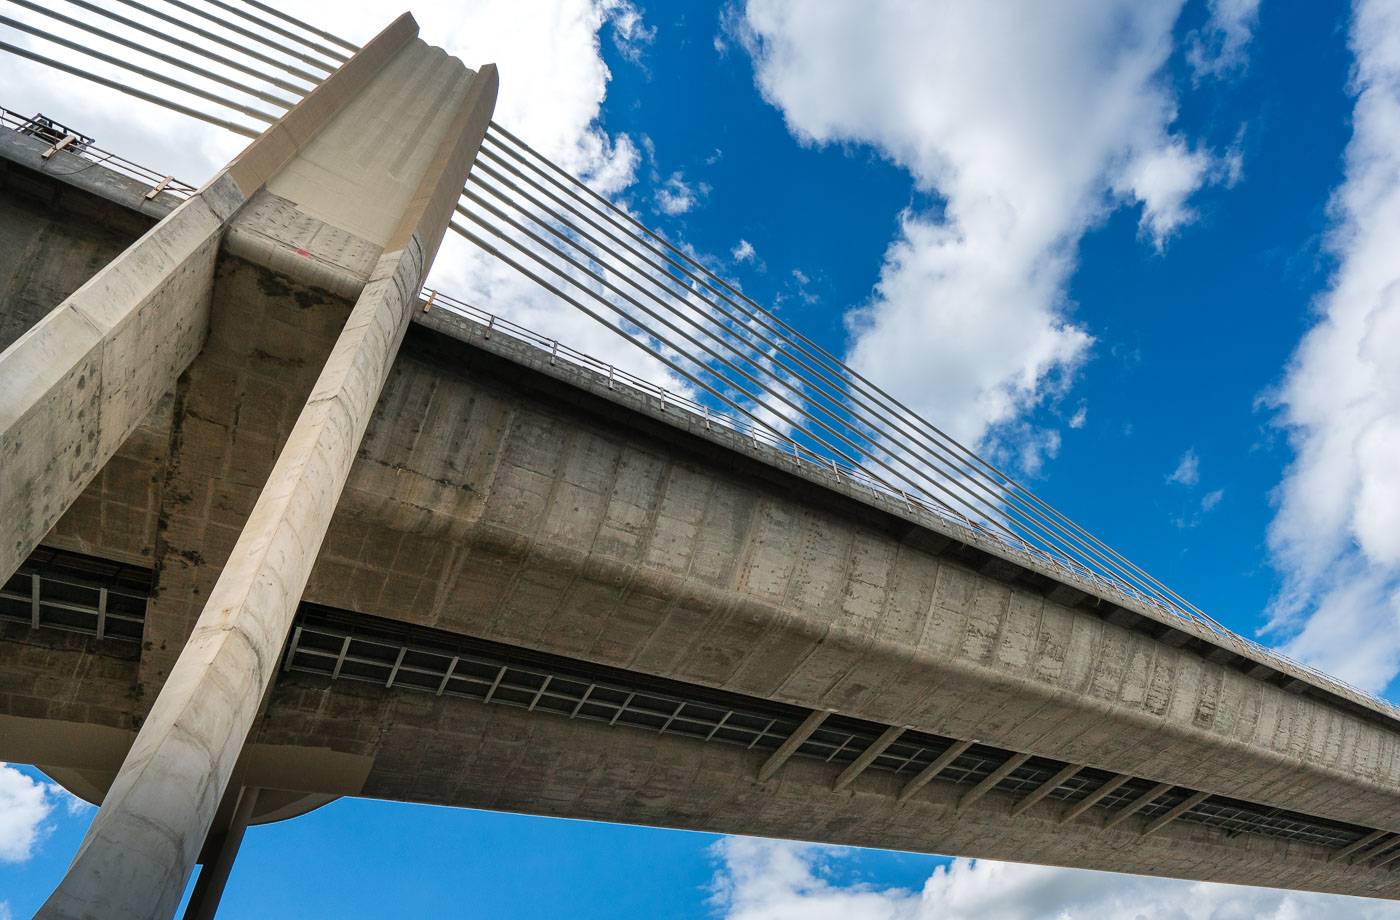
[[155, 817], [490, 500], [53, 236], [77, 383], [446, 751], [229, 419]]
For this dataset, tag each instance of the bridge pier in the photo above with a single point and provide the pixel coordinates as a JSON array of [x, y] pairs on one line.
[[221, 848], [350, 192]]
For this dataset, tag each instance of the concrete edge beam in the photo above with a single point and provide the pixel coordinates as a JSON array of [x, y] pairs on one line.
[[1137, 804], [927, 774], [867, 757], [790, 746], [1044, 789]]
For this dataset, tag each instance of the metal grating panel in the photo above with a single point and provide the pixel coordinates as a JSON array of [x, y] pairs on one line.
[[78, 594], [341, 645]]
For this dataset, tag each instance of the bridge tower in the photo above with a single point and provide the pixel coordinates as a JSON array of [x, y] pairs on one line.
[[349, 193]]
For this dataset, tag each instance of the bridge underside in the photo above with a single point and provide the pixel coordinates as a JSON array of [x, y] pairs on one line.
[[546, 594]]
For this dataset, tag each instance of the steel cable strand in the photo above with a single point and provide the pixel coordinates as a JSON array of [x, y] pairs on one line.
[[140, 71], [188, 46], [759, 363], [134, 46], [939, 460], [755, 381], [254, 36], [666, 322], [129, 90], [300, 74], [490, 249], [831, 397], [282, 15], [1025, 499], [337, 56]]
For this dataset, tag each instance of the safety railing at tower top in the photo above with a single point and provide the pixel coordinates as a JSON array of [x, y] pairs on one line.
[[239, 64], [42, 128]]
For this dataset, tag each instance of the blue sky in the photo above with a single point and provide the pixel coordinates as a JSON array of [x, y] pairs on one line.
[[1138, 252]]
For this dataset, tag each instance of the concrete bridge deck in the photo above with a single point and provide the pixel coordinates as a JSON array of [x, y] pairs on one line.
[[555, 595]]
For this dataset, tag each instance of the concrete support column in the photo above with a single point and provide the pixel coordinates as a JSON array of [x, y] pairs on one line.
[[143, 844], [209, 887]]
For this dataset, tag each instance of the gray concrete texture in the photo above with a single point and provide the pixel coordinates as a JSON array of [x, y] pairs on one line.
[[353, 195], [489, 502], [75, 385], [500, 496], [419, 537]]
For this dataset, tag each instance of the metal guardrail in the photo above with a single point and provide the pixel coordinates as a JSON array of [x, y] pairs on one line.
[[968, 530], [159, 184]]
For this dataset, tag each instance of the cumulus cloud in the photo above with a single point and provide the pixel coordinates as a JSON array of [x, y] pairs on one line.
[[1334, 537], [553, 83], [1188, 470], [1031, 123], [743, 252], [1162, 181], [25, 806], [780, 880], [1220, 47], [631, 34], [676, 196]]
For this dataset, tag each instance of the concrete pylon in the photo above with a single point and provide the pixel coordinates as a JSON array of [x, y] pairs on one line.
[[351, 191]]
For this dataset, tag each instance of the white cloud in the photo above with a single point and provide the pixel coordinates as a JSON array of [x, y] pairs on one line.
[[1032, 122], [25, 805], [1219, 47], [553, 83], [743, 252], [676, 196], [1079, 418], [1334, 537], [631, 35], [1162, 180], [1188, 471], [1211, 499], [780, 880]]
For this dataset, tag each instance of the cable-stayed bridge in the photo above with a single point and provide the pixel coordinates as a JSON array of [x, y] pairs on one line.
[[288, 526]]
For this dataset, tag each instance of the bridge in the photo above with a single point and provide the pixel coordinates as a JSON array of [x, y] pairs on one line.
[[284, 526]]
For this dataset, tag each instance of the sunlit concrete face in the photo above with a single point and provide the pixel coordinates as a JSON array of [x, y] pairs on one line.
[[501, 496], [350, 191]]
